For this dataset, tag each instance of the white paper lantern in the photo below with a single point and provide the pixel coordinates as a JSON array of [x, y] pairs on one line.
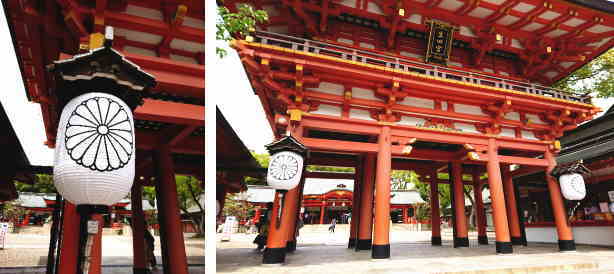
[[95, 150], [285, 170], [572, 186]]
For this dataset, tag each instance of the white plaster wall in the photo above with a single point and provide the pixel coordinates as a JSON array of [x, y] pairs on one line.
[[512, 116], [330, 88], [466, 127], [328, 110], [418, 102], [535, 119], [364, 93], [592, 235], [468, 109], [508, 132], [411, 121], [362, 114], [528, 135]]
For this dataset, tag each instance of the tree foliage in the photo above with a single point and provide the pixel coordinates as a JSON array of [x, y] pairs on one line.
[[235, 205], [239, 24], [11, 211], [596, 77], [43, 184]]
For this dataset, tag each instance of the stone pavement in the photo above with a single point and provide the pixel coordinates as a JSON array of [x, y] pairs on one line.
[[24, 252], [105, 270], [411, 252]]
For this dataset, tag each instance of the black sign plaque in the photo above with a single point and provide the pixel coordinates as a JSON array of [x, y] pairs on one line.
[[439, 43]]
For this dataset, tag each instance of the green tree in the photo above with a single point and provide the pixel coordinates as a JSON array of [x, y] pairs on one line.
[[239, 24], [596, 77], [43, 184], [235, 205], [190, 193]]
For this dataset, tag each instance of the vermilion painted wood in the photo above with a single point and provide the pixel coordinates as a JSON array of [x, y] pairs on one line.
[[563, 228], [510, 203], [459, 203]]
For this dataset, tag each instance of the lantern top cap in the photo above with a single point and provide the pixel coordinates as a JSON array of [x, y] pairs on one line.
[[104, 62], [287, 143], [573, 167]]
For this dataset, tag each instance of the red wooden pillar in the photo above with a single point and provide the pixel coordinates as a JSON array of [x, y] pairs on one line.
[[510, 205], [563, 229], [356, 204], [173, 253], [292, 208], [503, 243], [96, 253], [138, 230], [322, 214], [462, 235], [435, 218], [405, 221], [381, 235], [365, 227], [69, 246], [479, 208], [275, 252]]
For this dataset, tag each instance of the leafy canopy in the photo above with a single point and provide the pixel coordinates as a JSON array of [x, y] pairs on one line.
[[237, 24], [596, 77]]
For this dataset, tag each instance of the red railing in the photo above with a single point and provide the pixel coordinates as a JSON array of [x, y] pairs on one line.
[[367, 57]]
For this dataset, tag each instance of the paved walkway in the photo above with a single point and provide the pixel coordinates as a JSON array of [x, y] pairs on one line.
[[27, 253], [411, 252]]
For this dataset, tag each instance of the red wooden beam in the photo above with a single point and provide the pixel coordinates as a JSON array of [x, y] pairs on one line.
[[171, 112]]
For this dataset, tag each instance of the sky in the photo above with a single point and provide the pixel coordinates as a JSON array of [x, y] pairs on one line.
[[26, 117]]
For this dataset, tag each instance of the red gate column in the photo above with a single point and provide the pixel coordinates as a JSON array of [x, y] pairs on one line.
[[405, 221], [69, 246], [435, 219], [462, 235], [292, 210], [173, 253], [503, 244], [510, 205], [138, 230], [365, 229], [479, 208], [381, 235], [566, 241], [356, 204], [275, 252], [96, 251], [322, 213]]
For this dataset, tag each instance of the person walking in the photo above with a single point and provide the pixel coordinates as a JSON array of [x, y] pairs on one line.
[[263, 229], [149, 249], [333, 223]]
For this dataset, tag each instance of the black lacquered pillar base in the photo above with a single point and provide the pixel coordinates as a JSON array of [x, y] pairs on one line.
[[461, 242], [504, 247], [483, 240], [274, 256], [435, 240], [140, 271], [380, 251], [517, 241], [567, 245], [364, 244], [291, 246], [351, 243]]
